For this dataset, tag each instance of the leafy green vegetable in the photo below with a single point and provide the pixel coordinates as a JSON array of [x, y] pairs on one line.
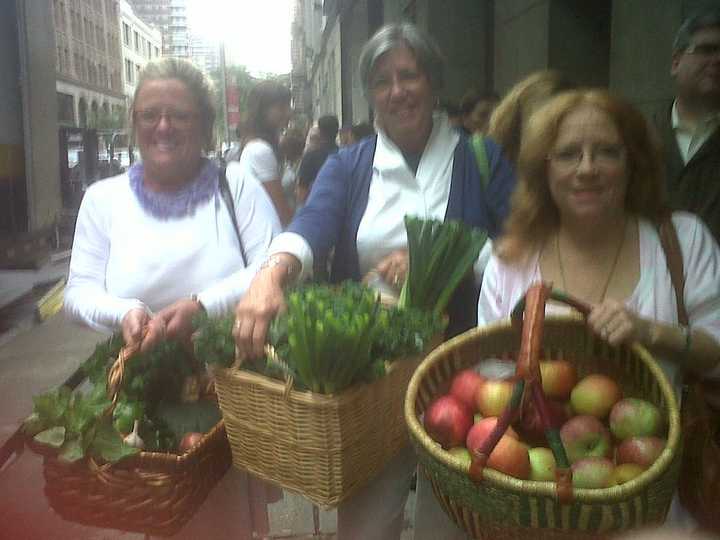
[[72, 451], [441, 254], [54, 437], [328, 339], [77, 423], [108, 444]]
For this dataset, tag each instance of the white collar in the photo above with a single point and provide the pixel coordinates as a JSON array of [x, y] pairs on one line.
[[678, 124], [442, 141]]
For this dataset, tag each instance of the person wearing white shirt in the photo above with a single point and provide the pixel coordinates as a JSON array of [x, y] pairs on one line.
[[155, 246], [584, 217], [267, 114], [418, 165]]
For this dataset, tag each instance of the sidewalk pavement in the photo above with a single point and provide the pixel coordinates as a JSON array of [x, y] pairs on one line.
[[14, 284], [42, 356]]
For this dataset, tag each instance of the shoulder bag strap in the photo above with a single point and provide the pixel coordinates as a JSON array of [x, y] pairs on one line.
[[673, 255], [227, 197], [478, 146]]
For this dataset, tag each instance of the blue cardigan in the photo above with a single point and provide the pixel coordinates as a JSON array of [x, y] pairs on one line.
[[339, 197]]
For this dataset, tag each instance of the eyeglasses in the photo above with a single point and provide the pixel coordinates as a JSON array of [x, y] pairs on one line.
[[704, 50], [404, 78], [149, 118], [604, 156]]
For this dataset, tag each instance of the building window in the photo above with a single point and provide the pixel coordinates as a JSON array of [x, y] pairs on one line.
[[157, 52], [137, 42], [66, 112], [126, 34], [129, 72]]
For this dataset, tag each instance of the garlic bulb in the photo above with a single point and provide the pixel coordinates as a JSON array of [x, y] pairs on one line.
[[133, 439]]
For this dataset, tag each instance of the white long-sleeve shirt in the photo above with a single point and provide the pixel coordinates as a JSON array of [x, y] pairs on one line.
[[124, 258]]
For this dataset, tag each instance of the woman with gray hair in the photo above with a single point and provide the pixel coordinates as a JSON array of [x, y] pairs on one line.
[[417, 164]]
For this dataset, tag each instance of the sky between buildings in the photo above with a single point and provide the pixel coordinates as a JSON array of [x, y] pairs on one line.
[[256, 32]]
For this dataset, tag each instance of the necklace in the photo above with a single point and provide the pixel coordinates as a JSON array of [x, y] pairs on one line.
[[612, 267]]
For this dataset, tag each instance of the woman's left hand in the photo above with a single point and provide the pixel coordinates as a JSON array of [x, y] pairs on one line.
[[393, 268], [172, 322], [616, 324]]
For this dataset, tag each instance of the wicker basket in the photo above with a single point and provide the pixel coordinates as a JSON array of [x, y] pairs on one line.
[[151, 492], [503, 507], [323, 447]]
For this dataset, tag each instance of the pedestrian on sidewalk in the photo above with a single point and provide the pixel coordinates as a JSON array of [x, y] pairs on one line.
[[268, 113]]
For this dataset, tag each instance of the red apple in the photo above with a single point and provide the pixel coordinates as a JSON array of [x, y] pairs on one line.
[[542, 464], [633, 417], [642, 451], [624, 473], [530, 424], [447, 421], [593, 473], [189, 440], [493, 396], [480, 431], [558, 378], [585, 436], [595, 395], [510, 455], [464, 387]]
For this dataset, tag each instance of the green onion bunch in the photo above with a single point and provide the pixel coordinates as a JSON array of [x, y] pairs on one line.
[[441, 254]]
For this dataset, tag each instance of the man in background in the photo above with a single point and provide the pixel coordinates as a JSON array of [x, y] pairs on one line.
[[690, 128], [314, 157]]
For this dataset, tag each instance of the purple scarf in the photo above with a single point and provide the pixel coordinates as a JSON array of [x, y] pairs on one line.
[[175, 204]]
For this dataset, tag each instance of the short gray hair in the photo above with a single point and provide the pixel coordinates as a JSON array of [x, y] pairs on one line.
[[391, 36], [198, 85], [698, 20]]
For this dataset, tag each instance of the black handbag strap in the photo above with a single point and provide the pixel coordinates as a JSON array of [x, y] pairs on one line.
[[227, 197]]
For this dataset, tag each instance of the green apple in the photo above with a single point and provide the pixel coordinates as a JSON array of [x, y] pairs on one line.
[[634, 417], [542, 464], [462, 454]]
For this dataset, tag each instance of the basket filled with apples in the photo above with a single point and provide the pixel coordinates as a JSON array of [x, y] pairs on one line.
[[570, 438]]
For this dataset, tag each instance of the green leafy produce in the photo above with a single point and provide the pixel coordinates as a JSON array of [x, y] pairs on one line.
[[328, 339], [78, 425], [441, 254]]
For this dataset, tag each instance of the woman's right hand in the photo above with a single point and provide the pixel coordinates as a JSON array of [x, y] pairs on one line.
[[253, 314], [133, 326]]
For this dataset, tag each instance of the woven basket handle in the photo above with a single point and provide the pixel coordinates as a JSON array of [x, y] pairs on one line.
[[529, 314], [117, 373]]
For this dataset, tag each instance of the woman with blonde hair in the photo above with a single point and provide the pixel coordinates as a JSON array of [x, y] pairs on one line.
[[508, 118], [584, 217]]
